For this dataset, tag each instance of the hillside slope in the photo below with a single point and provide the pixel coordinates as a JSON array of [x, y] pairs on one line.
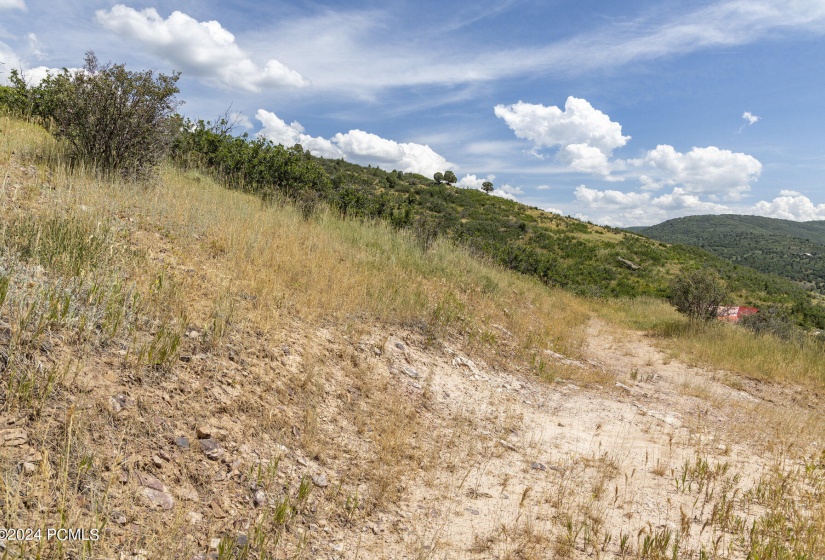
[[188, 373], [580, 257], [795, 250]]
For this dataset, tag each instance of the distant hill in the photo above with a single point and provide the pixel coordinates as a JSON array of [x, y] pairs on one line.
[[795, 250]]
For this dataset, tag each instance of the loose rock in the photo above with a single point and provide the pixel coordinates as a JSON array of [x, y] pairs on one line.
[[410, 372], [217, 510], [187, 492], [506, 445], [118, 403], [149, 481], [163, 500], [211, 448], [12, 437], [259, 498]]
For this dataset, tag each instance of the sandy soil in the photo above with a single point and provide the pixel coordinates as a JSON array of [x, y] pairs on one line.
[[524, 463]]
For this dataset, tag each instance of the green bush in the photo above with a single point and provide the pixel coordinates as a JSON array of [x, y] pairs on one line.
[[698, 294], [771, 320], [112, 119], [260, 166]]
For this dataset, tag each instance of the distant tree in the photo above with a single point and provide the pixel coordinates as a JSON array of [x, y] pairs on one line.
[[438, 177], [698, 294], [487, 187], [449, 177]]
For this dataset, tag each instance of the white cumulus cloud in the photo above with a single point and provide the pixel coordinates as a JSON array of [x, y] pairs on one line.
[[36, 75], [617, 208], [586, 137], [507, 191], [356, 146], [204, 49], [241, 120], [10, 62], [473, 182], [790, 205], [365, 147], [32, 76], [710, 171], [750, 117], [279, 132]]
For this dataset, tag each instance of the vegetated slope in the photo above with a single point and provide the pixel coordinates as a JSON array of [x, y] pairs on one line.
[[181, 364], [193, 374], [561, 251], [795, 250]]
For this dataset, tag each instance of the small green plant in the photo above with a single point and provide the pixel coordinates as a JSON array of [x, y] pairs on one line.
[[162, 351], [282, 512], [4, 288], [304, 488], [68, 244]]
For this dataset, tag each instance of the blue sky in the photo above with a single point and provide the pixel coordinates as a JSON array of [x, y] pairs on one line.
[[622, 113]]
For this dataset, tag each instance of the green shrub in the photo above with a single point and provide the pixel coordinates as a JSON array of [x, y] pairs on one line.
[[771, 320], [257, 165], [112, 119], [698, 294]]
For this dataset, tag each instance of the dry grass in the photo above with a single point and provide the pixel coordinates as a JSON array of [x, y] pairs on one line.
[[138, 312], [722, 345], [131, 315]]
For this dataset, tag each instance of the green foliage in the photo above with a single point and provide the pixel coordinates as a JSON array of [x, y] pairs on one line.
[[487, 187], [773, 320], [112, 119], [439, 176], [697, 294], [255, 164], [69, 245], [783, 247], [450, 178]]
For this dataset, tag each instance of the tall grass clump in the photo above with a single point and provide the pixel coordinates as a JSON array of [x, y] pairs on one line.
[[68, 244]]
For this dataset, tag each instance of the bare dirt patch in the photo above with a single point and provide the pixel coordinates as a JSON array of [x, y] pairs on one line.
[[527, 469]]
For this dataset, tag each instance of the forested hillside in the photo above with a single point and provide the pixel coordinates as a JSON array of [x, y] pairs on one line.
[[795, 250]]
